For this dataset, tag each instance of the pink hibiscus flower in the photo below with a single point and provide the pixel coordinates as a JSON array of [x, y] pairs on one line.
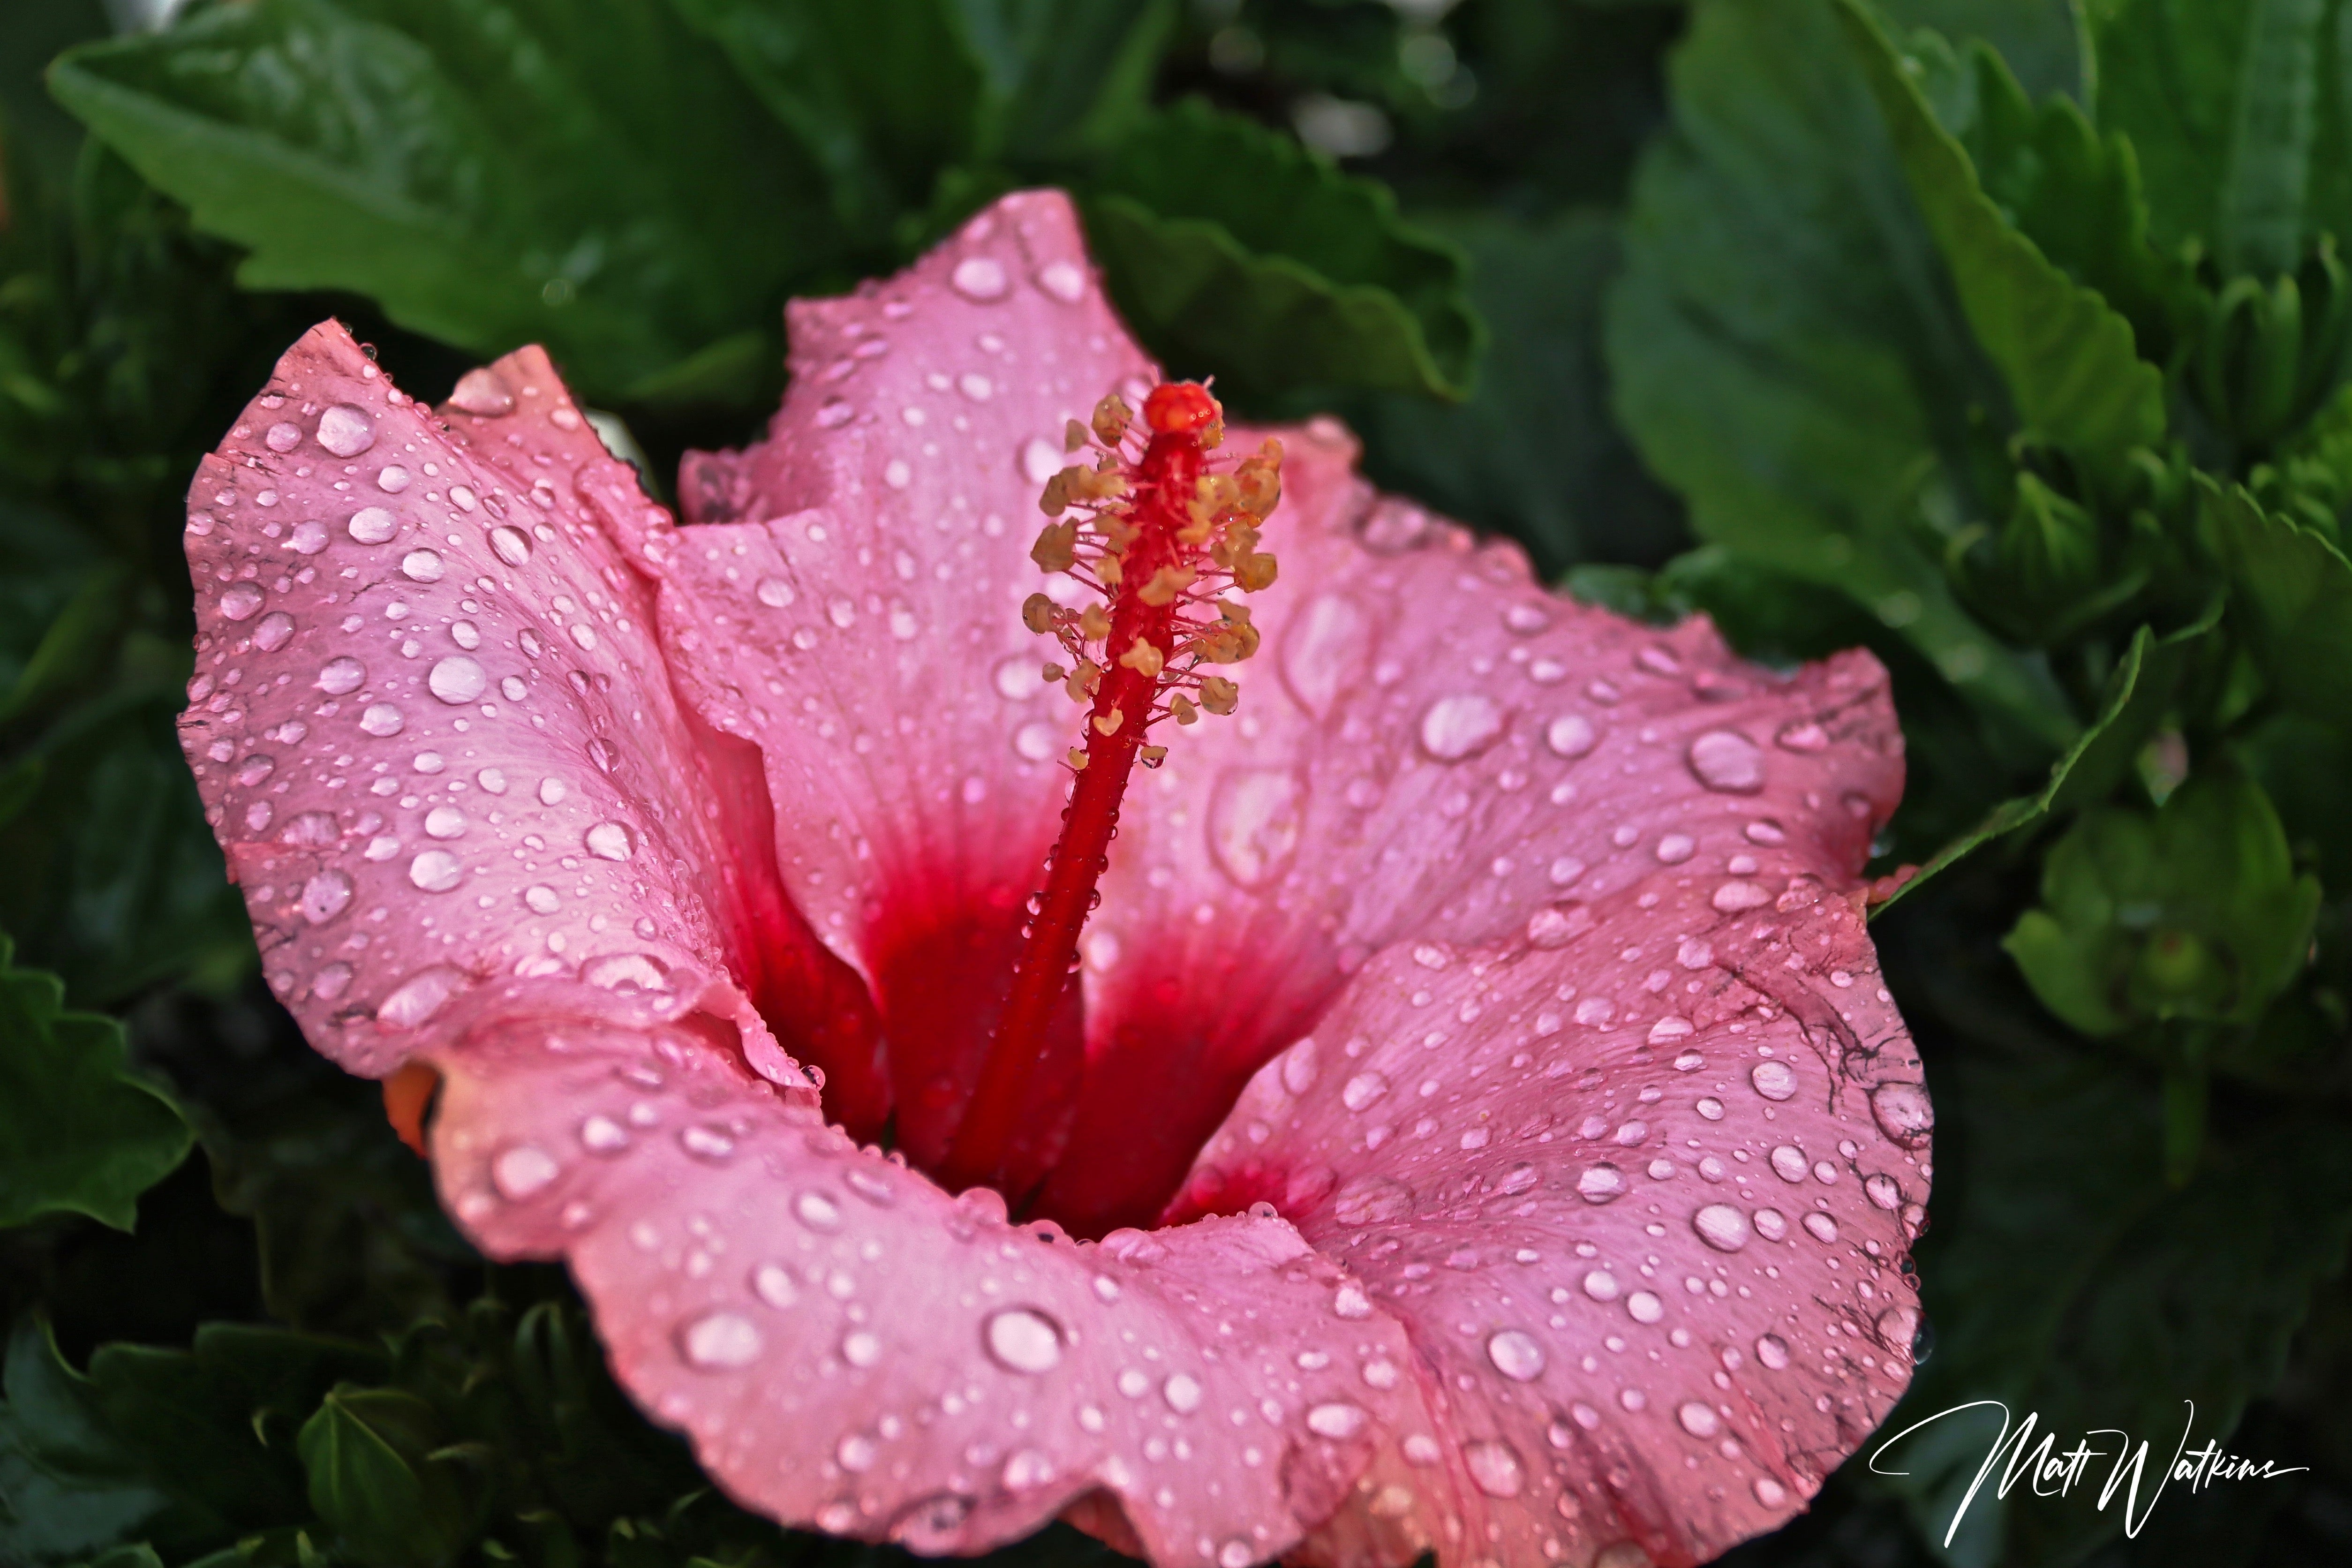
[[1478, 1112]]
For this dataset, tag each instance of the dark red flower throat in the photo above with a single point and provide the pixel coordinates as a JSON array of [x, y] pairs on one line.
[[1149, 537]]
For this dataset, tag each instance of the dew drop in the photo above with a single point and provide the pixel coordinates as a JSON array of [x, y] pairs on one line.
[[422, 566], [483, 393], [1255, 822], [610, 841], [1600, 1183], [1457, 728], [239, 601], [1338, 1421], [1774, 1080], [436, 871], [1182, 1393], [1644, 1308], [1494, 1465], [1601, 1285], [444, 822], [718, 1341], [1721, 1226], [283, 437], [540, 898], [1064, 280], [331, 983], [1699, 1419], [1363, 1089], [512, 544], [1902, 1112], [392, 478], [1557, 925], [1821, 1227], [817, 1211], [1570, 735], [372, 525], [457, 680], [551, 792], [1350, 1301], [1773, 1352], [1727, 760], [980, 277], [1326, 651], [346, 431], [277, 628], [418, 997], [381, 719], [522, 1171], [1770, 1492], [1883, 1191], [1515, 1355], [1789, 1163], [774, 592], [1024, 1340], [309, 538], [1772, 1224], [861, 1347], [773, 1284]]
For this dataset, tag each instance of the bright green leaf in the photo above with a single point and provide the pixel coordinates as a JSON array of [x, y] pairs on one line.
[[2293, 602], [585, 174], [2068, 359], [77, 1133], [1788, 354], [1232, 250]]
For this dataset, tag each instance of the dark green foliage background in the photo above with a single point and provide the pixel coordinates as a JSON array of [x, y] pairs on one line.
[[2006, 337]]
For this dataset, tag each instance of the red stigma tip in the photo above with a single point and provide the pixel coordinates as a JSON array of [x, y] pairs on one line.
[[1181, 408]]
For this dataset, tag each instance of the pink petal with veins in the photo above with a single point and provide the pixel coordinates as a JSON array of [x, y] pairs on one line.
[[1571, 1224]]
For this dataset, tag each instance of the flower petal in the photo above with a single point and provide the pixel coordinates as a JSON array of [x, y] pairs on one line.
[[429, 719], [1642, 1201], [849, 1347], [851, 602]]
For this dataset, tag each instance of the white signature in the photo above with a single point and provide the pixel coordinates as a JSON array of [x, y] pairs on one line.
[[2055, 1472]]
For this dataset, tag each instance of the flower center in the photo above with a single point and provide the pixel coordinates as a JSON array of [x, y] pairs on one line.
[[1154, 534]]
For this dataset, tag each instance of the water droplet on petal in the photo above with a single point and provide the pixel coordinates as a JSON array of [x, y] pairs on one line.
[[1570, 735], [340, 675], [1457, 728], [1903, 1113], [1729, 761], [346, 431], [817, 1211], [1338, 1421], [1601, 1285], [610, 841], [1557, 925], [513, 545], [861, 1347], [1773, 1352], [482, 392], [1883, 1191], [1699, 1419], [1363, 1089], [1721, 1226], [1770, 1492], [1024, 1340], [418, 997], [1064, 280], [436, 871], [283, 437], [1254, 823], [1515, 1355], [718, 1341], [773, 1284], [1600, 1183], [1182, 1393], [372, 525], [980, 277], [325, 896], [1772, 1224], [277, 628], [1371, 1200], [1325, 651], [1644, 1308], [309, 538], [239, 601], [1774, 1080], [521, 1170], [1041, 459], [422, 566], [1350, 1301], [381, 719], [1494, 1465], [457, 679]]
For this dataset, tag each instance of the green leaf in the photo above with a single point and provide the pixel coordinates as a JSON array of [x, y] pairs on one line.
[[1064, 77], [1788, 353], [2238, 114], [2064, 1278], [377, 1479], [2292, 601], [2067, 359], [2130, 712], [585, 174], [77, 1133], [1234, 250], [2192, 911], [1534, 452]]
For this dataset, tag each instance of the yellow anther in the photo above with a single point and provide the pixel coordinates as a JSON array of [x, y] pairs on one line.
[[1152, 756], [1218, 695], [1111, 570], [1077, 759], [1082, 486], [1055, 499], [1109, 724], [1165, 584], [1084, 681], [1259, 478], [1111, 417], [1074, 436], [1093, 623], [1037, 613], [1212, 435], [1182, 707], [1254, 572], [1053, 673], [1117, 532], [1056, 548], [1233, 640], [1143, 657]]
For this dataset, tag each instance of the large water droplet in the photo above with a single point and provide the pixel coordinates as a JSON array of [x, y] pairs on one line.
[[346, 431], [513, 545], [1883, 1191], [325, 896], [1721, 1226], [1363, 1089], [1064, 280], [436, 871], [1254, 823], [1457, 728], [1182, 1393], [1601, 1285], [1515, 1355], [1699, 1419], [372, 525], [309, 537], [1774, 1080], [1022, 1339], [1789, 1163], [1729, 761], [1338, 1421], [482, 392], [718, 1341], [1557, 925], [1773, 1352], [610, 841], [817, 1211], [1570, 735], [381, 719], [980, 277], [277, 628], [457, 679], [1821, 1227], [418, 997], [239, 601], [522, 1171], [1327, 650], [1494, 1466], [1600, 1183], [422, 566], [1903, 1113], [341, 676], [282, 436], [1644, 1308]]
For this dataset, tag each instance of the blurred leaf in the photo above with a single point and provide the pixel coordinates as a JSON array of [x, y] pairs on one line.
[[2067, 359], [2064, 1278], [376, 1478], [1234, 250], [1789, 356], [2236, 110], [2191, 911], [187, 1449], [78, 1134], [2130, 712], [1534, 452], [1064, 77], [77, 645], [2293, 603], [585, 174]]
